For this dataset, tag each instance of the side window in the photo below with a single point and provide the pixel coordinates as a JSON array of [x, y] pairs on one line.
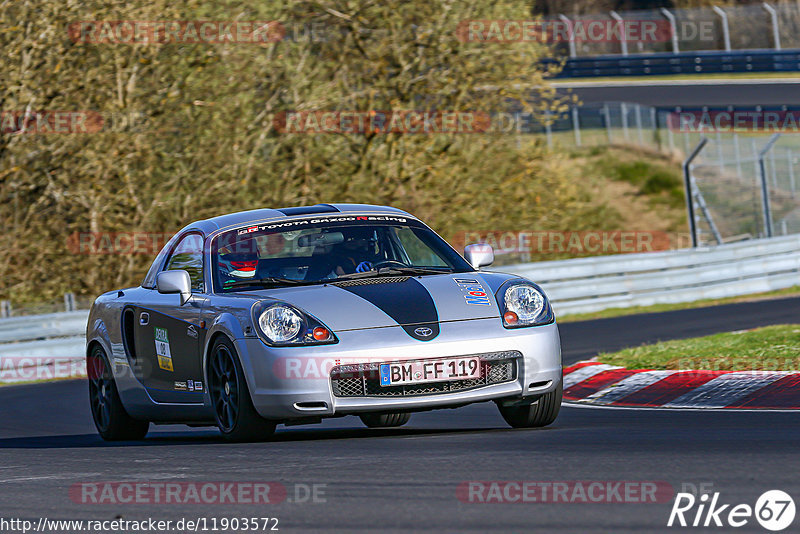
[[149, 281], [418, 252], [188, 255]]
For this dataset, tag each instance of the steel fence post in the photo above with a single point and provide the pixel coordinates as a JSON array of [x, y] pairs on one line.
[[687, 183], [607, 112], [764, 188], [623, 39], [623, 109], [756, 170], [738, 155], [69, 302], [638, 116], [726, 32], [654, 127], [670, 137], [576, 125], [573, 51], [773, 17], [673, 28]]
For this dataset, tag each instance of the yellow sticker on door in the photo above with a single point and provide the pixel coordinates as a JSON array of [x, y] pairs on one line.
[[162, 349]]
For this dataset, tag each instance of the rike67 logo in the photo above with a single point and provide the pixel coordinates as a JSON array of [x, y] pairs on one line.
[[774, 510]]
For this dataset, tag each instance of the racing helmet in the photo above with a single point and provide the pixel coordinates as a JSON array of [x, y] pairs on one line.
[[240, 263]]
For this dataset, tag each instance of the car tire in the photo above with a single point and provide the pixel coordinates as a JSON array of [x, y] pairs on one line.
[[540, 413], [234, 413], [110, 418], [378, 420]]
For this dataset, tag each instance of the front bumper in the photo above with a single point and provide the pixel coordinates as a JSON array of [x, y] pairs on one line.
[[294, 382]]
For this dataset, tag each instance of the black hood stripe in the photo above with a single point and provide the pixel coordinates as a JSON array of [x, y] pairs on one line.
[[407, 302]]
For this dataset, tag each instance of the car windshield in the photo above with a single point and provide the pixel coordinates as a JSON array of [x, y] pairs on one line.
[[310, 251]]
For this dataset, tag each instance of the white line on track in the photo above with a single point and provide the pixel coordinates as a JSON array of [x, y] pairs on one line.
[[23, 479], [647, 83], [570, 404], [61, 476]]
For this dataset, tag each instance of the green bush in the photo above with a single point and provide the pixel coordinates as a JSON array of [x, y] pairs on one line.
[[203, 142]]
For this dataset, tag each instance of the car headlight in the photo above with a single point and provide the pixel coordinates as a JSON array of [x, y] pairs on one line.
[[284, 325], [523, 304], [280, 323]]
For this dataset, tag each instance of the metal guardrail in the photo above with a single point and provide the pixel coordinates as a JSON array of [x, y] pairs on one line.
[[34, 347], [592, 284], [682, 63], [34, 327], [574, 286]]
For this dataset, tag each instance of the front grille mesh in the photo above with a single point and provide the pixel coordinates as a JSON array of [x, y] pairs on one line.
[[363, 380]]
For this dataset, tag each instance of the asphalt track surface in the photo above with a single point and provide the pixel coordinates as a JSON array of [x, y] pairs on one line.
[[405, 480], [689, 93]]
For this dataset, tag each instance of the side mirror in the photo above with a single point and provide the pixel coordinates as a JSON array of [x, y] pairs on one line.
[[175, 282], [479, 255]]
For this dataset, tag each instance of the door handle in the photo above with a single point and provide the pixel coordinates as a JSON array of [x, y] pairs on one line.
[[144, 318]]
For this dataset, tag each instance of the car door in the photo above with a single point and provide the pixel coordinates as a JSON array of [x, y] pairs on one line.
[[168, 335]]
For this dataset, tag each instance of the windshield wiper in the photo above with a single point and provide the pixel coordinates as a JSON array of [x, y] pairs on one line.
[[413, 270], [269, 281], [392, 271]]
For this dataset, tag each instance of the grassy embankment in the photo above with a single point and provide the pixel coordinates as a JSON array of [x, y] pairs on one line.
[[771, 348]]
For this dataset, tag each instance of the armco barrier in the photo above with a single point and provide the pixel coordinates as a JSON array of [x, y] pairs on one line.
[[620, 281], [574, 286], [31, 346], [681, 63]]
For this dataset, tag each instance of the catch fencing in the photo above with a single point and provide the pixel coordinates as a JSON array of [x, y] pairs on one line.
[[744, 186], [605, 124], [774, 26]]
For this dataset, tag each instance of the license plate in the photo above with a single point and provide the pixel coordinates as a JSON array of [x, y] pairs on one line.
[[393, 374]]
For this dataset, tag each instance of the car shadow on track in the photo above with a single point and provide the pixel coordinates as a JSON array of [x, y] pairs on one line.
[[77, 441]]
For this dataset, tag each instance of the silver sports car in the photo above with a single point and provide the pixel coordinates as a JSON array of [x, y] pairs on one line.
[[288, 316]]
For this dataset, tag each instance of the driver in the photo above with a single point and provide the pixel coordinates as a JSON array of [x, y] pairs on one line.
[[356, 254]]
